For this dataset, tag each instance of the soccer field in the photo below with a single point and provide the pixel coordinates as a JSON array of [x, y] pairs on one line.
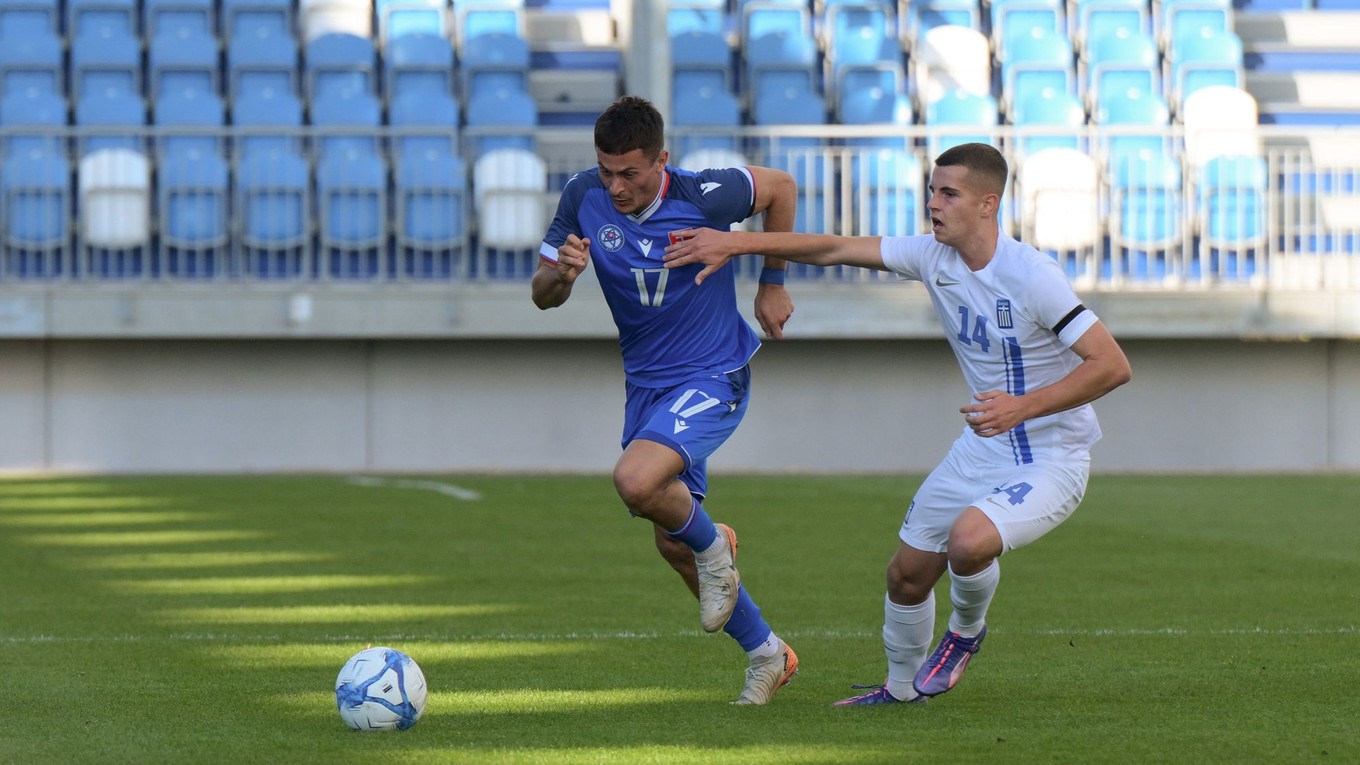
[[204, 619]]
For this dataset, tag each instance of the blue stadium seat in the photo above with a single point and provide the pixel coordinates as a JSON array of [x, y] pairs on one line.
[[493, 61], [762, 17], [400, 18], [418, 63], [849, 30], [37, 108], [34, 60], [432, 215], [346, 109], [1057, 118], [1179, 18], [700, 59], [777, 61], [925, 15], [506, 119], [1232, 201], [964, 118], [106, 59], [479, 17], [872, 52], [1019, 18], [873, 95], [182, 59], [1120, 60], [1147, 204], [270, 18], [101, 17], [195, 109], [110, 108], [339, 61], [262, 60], [192, 195], [351, 199], [800, 157], [704, 119], [1134, 108], [887, 187], [707, 16], [160, 17], [423, 123], [36, 189], [29, 18], [1097, 18], [268, 109], [1204, 59], [1034, 63], [273, 207]]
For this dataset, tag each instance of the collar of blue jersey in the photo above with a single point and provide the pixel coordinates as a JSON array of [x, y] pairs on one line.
[[656, 203]]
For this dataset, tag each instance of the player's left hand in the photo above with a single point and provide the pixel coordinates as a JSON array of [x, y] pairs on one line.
[[774, 306], [995, 413]]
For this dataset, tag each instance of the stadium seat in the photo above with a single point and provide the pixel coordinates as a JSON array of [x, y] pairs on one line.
[[1204, 59], [400, 18], [1138, 120], [1219, 120], [423, 123], [345, 110], [34, 60], [268, 109], [339, 61], [493, 61], [699, 60], [266, 18], [707, 16], [351, 198], [261, 59], [200, 110], [1035, 62], [37, 108], [322, 18], [35, 195], [1180, 18], [173, 17], [859, 32], [762, 17], [704, 119], [502, 119], [880, 104], [101, 18], [106, 59], [182, 59], [1097, 18], [1050, 118], [273, 209], [508, 191], [114, 187], [105, 111], [924, 16], [1060, 207], [1020, 18], [479, 17], [192, 198], [1231, 192], [1121, 60], [960, 116], [418, 63], [887, 188], [432, 214], [802, 157], [1147, 206], [21, 19], [947, 59]]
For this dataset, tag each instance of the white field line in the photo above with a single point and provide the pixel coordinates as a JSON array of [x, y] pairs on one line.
[[209, 637], [447, 489]]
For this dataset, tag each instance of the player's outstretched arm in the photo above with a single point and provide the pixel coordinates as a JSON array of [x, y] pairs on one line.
[[552, 282], [714, 248]]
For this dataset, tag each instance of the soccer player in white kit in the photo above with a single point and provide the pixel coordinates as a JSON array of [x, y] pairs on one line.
[[1034, 358]]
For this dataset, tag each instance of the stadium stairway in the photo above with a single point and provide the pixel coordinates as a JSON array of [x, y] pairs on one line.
[[575, 63], [1303, 63]]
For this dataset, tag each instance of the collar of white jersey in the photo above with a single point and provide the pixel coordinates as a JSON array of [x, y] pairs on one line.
[[656, 203]]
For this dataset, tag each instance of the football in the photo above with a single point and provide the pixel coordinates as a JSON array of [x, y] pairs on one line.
[[380, 689]]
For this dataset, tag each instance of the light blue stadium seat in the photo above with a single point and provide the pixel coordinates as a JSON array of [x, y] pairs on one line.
[[432, 215], [36, 189], [705, 118], [849, 30], [110, 108], [799, 156], [1134, 108], [708, 16], [1057, 118], [106, 59], [925, 15], [1097, 18], [34, 60], [1120, 60], [418, 63], [1146, 189], [200, 110], [192, 195], [351, 199], [1204, 59], [479, 17], [493, 61], [273, 208], [888, 192], [763, 17], [778, 61], [700, 59], [400, 18], [964, 118], [506, 119], [160, 17], [873, 94], [874, 52], [272, 18], [346, 110], [1035, 62], [1232, 204], [182, 59], [29, 18], [37, 108], [94, 17], [277, 109], [339, 61], [260, 60], [1018, 18], [1178, 18], [423, 122]]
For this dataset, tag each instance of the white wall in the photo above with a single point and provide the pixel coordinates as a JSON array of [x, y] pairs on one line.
[[555, 405]]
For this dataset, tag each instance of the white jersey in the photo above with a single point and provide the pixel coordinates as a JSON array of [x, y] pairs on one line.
[[1011, 325]]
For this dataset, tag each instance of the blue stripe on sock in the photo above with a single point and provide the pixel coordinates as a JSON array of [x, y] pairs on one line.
[[746, 626], [698, 531]]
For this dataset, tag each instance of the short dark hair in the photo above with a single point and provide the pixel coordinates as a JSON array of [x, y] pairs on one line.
[[630, 123], [980, 159]]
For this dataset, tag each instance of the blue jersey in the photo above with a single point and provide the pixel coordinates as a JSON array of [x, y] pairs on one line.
[[670, 330]]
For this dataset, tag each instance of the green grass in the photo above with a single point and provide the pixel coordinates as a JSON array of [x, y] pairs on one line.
[[203, 620]]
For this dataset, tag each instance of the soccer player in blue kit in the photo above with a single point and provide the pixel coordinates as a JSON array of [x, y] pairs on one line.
[[685, 348], [1034, 359]]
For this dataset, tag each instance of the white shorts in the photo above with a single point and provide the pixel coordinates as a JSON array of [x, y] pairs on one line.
[[1023, 501]]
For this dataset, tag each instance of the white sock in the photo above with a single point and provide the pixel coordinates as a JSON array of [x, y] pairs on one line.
[[770, 647], [719, 542], [907, 631], [970, 596]]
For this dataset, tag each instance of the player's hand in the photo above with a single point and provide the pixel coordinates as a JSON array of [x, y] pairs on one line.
[[995, 413], [699, 245], [572, 258], [774, 306]]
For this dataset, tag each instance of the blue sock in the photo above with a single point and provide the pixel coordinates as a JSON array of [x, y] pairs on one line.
[[698, 532], [746, 626]]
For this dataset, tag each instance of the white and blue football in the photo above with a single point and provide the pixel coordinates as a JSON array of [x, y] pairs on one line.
[[380, 689]]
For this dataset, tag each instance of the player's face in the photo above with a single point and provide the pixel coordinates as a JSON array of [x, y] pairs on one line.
[[632, 180], [957, 207]]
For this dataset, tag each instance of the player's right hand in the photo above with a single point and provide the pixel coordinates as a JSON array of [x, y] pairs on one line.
[[572, 258]]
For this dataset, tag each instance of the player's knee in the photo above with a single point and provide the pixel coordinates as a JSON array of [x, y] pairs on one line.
[[905, 588], [973, 543], [637, 488]]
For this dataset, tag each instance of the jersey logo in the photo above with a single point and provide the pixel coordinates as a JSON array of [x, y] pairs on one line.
[[1003, 314], [646, 246], [610, 237], [680, 425], [704, 188], [944, 281]]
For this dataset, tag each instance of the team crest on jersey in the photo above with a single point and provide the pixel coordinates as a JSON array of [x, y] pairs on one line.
[[1003, 314], [610, 237]]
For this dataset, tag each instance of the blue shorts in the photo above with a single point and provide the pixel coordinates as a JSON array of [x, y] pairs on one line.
[[693, 418]]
